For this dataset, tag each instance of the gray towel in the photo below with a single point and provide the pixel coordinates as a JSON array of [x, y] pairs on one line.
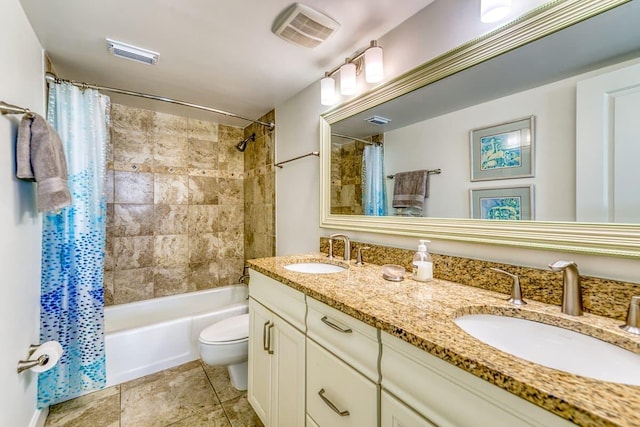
[[410, 189], [40, 158]]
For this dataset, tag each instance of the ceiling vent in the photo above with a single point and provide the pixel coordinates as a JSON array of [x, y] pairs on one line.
[[304, 26], [377, 120], [127, 51]]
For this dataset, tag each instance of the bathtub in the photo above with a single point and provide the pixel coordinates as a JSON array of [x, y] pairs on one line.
[[149, 336]]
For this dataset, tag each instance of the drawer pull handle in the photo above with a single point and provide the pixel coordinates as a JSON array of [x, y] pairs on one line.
[[330, 404], [265, 345], [269, 338], [329, 323]]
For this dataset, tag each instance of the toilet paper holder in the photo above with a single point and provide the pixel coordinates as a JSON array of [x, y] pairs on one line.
[[24, 365]]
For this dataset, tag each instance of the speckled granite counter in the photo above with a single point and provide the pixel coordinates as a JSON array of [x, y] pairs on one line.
[[423, 314]]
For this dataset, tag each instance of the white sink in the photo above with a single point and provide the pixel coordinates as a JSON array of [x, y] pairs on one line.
[[555, 347], [314, 268]]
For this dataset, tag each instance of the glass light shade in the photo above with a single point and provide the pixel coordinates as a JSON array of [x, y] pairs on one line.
[[348, 79], [327, 91], [494, 10], [373, 66]]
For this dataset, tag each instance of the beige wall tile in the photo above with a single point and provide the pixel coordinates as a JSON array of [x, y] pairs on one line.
[[171, 251], [203, 190], [172, 281], [132, 285], [204, 275], [132, 220], [171, 189], [203, 130], [203, 154], [171, 150], [133, 187], [171, 219], [132, 252], [130, 146], [205, 219]]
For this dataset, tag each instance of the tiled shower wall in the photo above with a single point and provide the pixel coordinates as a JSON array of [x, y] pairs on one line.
[[346, 175], [259, 191], [175, 208]]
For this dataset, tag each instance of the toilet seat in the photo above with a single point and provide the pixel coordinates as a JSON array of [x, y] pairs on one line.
[[227, 331]]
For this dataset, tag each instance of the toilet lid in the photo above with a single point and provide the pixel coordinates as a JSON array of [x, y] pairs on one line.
[[231, 329]]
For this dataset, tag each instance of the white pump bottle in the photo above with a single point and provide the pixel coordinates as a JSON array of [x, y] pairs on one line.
[[422, 264]]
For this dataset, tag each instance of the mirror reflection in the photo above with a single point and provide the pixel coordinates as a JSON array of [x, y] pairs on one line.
[[523, 136]]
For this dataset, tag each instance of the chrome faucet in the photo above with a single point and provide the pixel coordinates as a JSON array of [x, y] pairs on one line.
[[516, 291], [633, 316], [347, 245], [359, 260], [571, 292]]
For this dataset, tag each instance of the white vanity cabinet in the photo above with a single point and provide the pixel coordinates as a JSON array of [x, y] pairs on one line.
[[276, 352], [447, 396], [394, 413], [342, 369]]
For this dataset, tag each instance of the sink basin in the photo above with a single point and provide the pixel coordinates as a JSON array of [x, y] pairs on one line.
[[555, 347], [315, 268]]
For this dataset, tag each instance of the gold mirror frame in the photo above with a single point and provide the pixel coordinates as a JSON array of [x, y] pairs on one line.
[[621, 240]]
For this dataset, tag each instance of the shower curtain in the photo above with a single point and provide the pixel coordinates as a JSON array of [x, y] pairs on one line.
[[73, 245], [374, 195]]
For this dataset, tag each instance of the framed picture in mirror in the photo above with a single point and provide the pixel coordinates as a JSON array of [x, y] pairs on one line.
[[506, 204], [503, 151]]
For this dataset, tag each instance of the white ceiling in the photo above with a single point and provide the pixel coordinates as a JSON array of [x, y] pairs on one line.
[[218, 53]]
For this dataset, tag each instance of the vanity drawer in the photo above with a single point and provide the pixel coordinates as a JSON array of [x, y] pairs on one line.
[[287, 302], [333, 388], [351, 340]]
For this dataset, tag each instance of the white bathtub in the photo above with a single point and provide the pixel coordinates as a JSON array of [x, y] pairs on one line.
[[148, 336]]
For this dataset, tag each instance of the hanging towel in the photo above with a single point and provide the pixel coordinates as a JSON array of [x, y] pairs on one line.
[[410, 189], [40, 158]]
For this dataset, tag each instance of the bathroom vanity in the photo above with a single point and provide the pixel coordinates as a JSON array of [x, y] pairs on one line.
[[378, 351]]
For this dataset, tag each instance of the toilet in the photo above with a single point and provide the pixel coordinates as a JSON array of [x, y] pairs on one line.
[[227, 343]]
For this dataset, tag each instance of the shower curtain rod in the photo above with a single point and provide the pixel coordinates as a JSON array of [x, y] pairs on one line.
[[52, 78], [354, 139]]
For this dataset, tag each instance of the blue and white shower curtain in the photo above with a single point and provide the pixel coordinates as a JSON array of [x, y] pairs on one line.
[[73, 247], [374, 193]]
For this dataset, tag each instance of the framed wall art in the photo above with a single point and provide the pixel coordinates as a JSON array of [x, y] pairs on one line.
[[507, 203], [503, 151]]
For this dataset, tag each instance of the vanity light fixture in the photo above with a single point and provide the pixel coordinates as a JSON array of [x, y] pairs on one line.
[[494, 10], [370, 59]]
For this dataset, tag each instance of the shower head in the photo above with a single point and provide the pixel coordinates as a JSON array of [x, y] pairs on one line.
[[242, 145]]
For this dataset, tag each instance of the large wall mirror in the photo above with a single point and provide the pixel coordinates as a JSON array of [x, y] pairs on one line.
[[542, 112]]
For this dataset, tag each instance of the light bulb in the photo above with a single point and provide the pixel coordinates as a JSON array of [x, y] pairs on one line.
[[348, 78], [494, 10], [327, 90], [373, 65]]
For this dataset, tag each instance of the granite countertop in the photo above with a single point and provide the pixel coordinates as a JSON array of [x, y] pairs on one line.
[[423, 314]]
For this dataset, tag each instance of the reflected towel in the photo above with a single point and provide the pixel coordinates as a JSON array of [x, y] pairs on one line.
[[410, 189], [40, 158]]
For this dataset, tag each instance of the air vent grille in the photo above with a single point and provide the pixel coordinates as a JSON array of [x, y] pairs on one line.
[[127, 51], [377, 120], [304, 26]]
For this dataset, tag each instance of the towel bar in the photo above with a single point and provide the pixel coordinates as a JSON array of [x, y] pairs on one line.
[[313, 153], [429, 172]]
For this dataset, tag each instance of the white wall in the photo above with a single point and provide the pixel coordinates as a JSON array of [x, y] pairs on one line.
[[425, 35], [21, 83]]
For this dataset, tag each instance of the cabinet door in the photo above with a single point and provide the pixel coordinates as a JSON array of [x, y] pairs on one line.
[[394, 413], [288, 375], [259, 393]]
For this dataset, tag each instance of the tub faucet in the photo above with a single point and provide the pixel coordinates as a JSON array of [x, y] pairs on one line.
[[571, 292], [347, 245]]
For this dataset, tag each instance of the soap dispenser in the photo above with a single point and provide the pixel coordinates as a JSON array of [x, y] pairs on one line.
[[422, 264]]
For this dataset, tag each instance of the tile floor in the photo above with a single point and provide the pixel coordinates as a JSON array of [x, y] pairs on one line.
[[190, 395]]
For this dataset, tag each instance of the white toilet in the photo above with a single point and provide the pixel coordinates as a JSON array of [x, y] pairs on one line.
[[227, 343]]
